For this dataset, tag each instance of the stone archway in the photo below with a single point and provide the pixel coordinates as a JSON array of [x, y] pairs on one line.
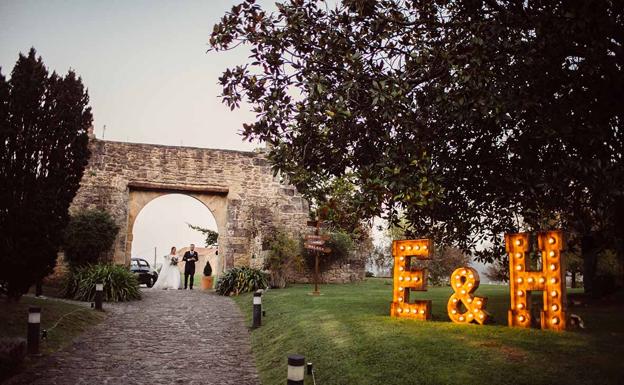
[[140, 196], [238, 187]]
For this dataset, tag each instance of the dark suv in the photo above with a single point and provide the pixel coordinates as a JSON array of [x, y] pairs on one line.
[[144, 272]]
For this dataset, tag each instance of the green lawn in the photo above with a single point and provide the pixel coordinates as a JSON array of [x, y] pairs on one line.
[[350, 338], [14, 317]]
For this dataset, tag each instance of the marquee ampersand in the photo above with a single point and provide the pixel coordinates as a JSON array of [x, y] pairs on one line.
[[464, 282], [407, 278], [550, 280]]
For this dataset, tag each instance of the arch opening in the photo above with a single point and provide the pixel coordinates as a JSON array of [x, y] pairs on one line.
[[162, 221]]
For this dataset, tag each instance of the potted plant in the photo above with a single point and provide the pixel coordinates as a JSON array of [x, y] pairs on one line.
[[206, 282]]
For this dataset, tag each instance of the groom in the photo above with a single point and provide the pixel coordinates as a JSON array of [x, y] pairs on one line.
[[190, 257]]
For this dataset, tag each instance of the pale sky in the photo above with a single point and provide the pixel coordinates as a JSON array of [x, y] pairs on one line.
[[149, 78]]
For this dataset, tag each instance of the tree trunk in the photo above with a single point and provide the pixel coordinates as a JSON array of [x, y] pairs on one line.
[[573, 280], [589, 252]]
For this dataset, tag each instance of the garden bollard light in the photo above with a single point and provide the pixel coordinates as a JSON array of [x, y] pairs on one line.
[[257, 309], [99, 294], [34, 328], [296, 369]]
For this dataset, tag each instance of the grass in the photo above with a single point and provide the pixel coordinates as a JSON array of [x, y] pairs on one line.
[[350, 338], [14, 317]]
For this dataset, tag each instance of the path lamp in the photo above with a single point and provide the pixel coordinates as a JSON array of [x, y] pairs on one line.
[[296, 369], [257, 309], [99, 294], [34, 329]]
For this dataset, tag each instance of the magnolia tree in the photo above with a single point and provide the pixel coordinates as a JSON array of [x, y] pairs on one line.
[[472, 118]]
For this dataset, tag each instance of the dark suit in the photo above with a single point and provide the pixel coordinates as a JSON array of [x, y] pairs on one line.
[[190, 257]]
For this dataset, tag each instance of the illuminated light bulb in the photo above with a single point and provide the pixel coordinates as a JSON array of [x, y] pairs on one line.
[[464, 272], [475, 310], [400, 288], [481, 316], [518, 267], [518, 242], [401, 258], [553, 293], [416, 279], [457, 277], [552, 240], [407, 278], [471, 276], [400, 278], [402, 247], [518, 255], [409, 248], [530, 279], [554, 320], [454, 300], [469, 300], [414, 311], [520, 306], [458, 284], [520, 293], [463, 291], [400, 299], [469, 315], [416, 247], [399, 310], [425, 247], [454, 311], [422, 311], [553, 280], [461, 318], [469, 284], [521, 318], [552, 254], [478, 303], [542, 280], [553, 267], [401, 268], [554, 307], [519, 280]]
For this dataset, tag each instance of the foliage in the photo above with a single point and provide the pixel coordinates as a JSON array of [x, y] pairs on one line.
[[239, 280], [341, 245], [369, 274], [207, 269], [473, 118], [43, 152], [88, 236], [283, 259], [498, 271], [442, 264], [120, 284], [348, 331], [211, 235]]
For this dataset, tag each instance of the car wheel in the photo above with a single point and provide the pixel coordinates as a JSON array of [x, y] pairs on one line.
[[150, 282]]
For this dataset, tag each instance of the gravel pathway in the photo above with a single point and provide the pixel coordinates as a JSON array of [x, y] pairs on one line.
[[169, 337]]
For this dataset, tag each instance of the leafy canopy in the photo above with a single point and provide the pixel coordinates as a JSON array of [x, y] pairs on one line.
[[473, 118]]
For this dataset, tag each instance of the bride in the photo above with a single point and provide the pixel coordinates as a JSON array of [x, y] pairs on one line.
[[169, 276]]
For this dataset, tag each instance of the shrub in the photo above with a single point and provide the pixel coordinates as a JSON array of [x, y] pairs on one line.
[[207, 269], [12, 354], [283, 260], [88, 236], [241, 280], [369, 274], [341, 245], [119, 283]]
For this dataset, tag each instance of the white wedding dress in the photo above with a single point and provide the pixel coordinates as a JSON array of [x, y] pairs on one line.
[[169, 276]]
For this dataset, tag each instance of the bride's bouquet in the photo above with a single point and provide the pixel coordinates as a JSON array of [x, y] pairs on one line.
[[174, 261]]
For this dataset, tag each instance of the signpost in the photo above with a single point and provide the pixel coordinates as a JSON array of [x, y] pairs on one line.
[[316, 243]]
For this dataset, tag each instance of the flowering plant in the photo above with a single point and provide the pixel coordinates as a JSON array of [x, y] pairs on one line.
[[174, 261]]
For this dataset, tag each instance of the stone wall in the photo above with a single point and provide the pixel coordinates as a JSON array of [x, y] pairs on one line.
[[238, 187], [351, 270]]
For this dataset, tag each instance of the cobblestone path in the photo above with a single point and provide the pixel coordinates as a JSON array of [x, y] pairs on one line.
[[169, 337]]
